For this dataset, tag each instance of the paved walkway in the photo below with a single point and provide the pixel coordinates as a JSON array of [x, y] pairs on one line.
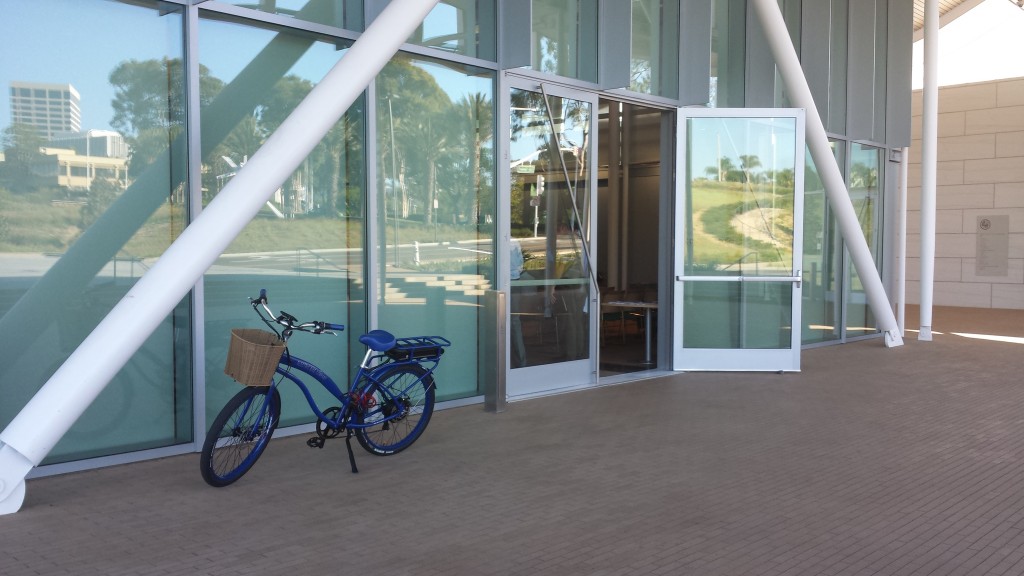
[[877, 461]]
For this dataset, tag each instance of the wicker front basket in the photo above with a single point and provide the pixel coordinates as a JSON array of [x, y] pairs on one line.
[[253, 355]]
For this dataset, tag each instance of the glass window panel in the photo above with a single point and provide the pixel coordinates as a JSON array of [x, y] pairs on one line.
[[728, 45], [346, 14], [435, 166], [880, 69], [79, 226], [864, 178], [654, 48], [564, 38], [550, 279], [838, 34], [306, 246], [740, 195], [822, 263], [791, 10], [460, 26], [737, 315]]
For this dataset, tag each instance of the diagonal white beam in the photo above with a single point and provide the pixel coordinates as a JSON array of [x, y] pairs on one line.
[[59, 403], [835, 186]]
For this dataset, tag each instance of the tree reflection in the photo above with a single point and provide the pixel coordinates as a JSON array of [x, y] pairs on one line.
[[441, 151]]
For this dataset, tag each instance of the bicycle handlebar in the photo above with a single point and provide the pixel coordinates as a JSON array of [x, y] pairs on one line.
[[290, 323]]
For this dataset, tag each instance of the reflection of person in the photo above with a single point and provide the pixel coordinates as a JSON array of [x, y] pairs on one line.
[[515, 261]]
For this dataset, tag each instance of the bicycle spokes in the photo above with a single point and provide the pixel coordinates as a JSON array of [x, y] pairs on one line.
[[405, 399], [239, 435], [250, 423]]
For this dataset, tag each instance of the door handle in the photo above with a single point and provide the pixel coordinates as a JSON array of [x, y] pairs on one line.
[[798, 279]]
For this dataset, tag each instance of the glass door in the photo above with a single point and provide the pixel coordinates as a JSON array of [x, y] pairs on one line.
[[739, 214], [550, 181]]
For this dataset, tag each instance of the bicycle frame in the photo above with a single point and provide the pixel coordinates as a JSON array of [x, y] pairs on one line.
[[380, 393], [372, 365]]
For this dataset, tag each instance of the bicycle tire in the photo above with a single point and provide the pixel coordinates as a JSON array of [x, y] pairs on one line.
[[239, 435], [409, 389]]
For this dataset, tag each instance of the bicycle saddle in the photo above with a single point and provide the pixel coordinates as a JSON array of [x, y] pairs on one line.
[[378, 340]]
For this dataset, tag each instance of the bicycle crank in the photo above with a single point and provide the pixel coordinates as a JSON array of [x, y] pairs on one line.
[[326, 429]]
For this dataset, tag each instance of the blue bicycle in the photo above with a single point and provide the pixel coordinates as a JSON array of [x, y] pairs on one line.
[[387, 407]]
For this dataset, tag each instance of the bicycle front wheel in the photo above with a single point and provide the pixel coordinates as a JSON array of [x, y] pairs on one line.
[[395, 408], [239, 435]]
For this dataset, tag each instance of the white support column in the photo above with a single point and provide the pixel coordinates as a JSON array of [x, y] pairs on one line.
[[901, 269], [929, 162], [59, 403], [835, 187]]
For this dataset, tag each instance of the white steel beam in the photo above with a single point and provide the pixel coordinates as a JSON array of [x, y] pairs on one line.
[[835, 187], [929, 162], [901, 269], [75, 385]]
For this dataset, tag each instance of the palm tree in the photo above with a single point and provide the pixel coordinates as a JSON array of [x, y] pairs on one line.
[[475, 111], [436, 146], [726, 169], [418, 144], [749, 163]]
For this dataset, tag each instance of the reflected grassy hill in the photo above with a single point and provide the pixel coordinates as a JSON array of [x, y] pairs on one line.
[[736, 221]]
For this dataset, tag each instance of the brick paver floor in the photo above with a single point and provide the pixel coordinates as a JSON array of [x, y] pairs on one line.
[[904, 461]]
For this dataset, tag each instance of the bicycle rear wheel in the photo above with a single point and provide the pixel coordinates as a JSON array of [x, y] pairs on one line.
[[395, 409], [239, 435]]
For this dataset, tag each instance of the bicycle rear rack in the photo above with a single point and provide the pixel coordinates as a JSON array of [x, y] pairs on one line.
[[419, 348]]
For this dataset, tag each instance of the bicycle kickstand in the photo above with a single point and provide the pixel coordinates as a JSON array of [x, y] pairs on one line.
[[351, 456]]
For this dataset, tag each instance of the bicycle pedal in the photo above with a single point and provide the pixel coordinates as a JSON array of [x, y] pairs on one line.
[[316, 442]]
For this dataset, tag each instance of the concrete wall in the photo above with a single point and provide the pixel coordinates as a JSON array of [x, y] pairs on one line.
[[980, 194]]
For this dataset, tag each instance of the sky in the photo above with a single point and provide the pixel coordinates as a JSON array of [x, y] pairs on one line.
[[984, 44], [81, 47], [86, 38]]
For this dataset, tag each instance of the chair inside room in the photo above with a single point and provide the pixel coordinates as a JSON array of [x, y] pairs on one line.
[[633, 318], [613, 318]]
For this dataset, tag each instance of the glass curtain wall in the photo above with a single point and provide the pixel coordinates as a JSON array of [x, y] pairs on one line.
[[346, 14], [306, 245], [563, 36], [728, 54], [654, 48], [863, 183], [92, 191], [835, 305], [436, 205], [822, 260], [834, 114], [465, 27]]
